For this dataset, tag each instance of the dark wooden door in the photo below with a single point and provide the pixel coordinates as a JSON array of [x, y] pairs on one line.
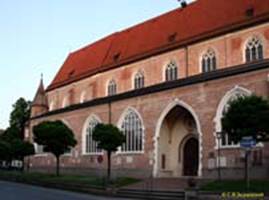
[[191, 157]]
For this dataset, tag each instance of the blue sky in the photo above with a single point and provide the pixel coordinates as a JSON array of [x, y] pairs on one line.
[[36, 37]]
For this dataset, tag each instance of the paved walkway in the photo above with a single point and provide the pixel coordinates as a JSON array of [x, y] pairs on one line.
[[15, 191]]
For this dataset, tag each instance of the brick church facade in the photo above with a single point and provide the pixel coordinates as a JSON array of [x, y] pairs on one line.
[[165, 83]]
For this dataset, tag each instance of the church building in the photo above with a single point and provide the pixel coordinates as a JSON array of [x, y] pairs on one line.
[[165, 83]]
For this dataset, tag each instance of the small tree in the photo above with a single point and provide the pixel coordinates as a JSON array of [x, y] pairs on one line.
[[56, 138], [109, 138], [247, 117]]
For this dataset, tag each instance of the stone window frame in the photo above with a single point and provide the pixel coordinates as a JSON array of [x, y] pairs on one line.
[[139, 125], [212, 63], [259, 38], [232, 93], [171, 71], [111, 87], [139, 80], [87, 147]]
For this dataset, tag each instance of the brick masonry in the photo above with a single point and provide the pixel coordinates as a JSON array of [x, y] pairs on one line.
[[203, 98]]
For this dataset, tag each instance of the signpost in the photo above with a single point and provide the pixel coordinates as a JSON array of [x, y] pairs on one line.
[[247, 143]]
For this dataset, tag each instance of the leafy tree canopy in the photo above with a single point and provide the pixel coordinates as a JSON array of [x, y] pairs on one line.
[[1, 131], [5, 150], [109, 137], [18, 148], [10, 134], [20, 114], [55, 136], [247, 116]]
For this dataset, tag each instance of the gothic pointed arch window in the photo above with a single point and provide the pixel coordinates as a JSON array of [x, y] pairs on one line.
[[209, 61], [112, 88], [223, 107], [171, 71], [133, 130], [139, 80], [91, 146], [254, 49]]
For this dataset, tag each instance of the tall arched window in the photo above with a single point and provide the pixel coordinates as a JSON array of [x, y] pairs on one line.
[[222, 108], [132, 128], [171, 71], [111, 88], [139, 80], [254, 49], [209, 61], [90, 144]]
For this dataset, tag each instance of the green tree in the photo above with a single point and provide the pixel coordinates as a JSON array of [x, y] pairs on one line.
[[20, 115], [56, 138], [109, 138], [18, 148], [247, 117], [5, 151], [10, 134], [21, 149]]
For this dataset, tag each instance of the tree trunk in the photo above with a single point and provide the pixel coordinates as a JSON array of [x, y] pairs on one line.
[[57, 165], [108, 165]]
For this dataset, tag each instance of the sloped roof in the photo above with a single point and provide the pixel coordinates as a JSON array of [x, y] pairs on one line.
[[172, 29], [40, 97]]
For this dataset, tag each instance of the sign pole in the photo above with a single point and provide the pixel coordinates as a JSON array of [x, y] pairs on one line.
[[247, 143]]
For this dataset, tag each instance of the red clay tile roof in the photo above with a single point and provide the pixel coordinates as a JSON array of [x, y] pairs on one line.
[[173, 28]]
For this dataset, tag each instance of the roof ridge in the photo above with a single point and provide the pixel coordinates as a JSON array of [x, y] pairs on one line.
[[199, 20]]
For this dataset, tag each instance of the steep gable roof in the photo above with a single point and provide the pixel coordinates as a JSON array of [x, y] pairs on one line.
[[40, 97], [170, 30]]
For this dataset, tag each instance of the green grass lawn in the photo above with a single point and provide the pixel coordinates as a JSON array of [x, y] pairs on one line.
[[237, 186], [65, 179]]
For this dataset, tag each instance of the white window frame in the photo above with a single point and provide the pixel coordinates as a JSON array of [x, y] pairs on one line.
[[237, 90], [139, 79], [142, 137], [211, 54], [172, 69], [247, 45], [112, 88], [85, 134]]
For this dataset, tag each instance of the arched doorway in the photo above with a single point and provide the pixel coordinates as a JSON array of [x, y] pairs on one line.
[[175, 126], [191, 157]]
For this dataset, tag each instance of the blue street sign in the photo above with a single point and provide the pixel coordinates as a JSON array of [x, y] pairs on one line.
[[247, 142]]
